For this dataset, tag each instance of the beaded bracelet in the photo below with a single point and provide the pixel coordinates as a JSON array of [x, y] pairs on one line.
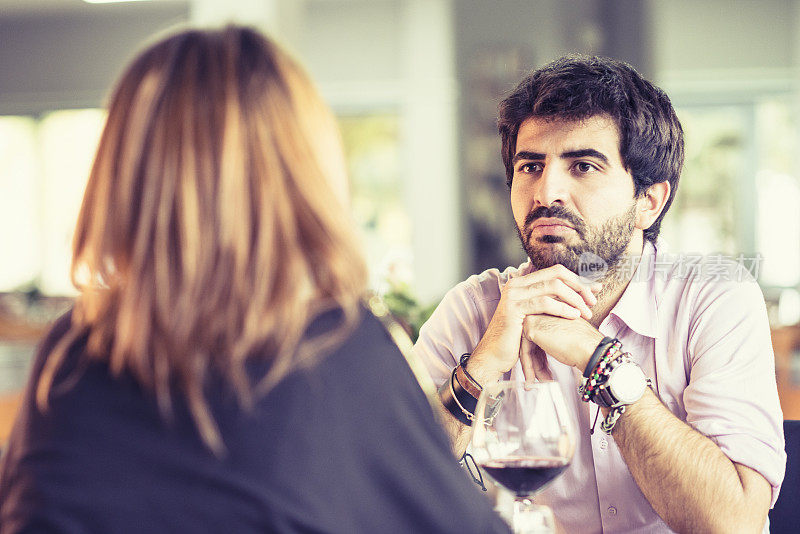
[[598, 353], [599, 374]]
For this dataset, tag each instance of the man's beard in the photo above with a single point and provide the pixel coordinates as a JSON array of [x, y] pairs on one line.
[[608, 242]]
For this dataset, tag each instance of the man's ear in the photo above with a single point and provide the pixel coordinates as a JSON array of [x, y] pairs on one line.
[[651, 203]]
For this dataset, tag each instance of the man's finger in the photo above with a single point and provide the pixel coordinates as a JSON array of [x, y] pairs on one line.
[[526, 359], [533, 299], [572, 280], [564, 293], [540, 365], [555, 307], [534, 362]]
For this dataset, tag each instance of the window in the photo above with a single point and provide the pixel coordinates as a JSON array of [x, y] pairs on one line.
[[777, 184], [19, 190], [372, 149], [68, 141], [44, 164], [703, 217], [740, 187]]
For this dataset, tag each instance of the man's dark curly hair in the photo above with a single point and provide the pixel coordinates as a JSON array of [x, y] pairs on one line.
[[579, 87]]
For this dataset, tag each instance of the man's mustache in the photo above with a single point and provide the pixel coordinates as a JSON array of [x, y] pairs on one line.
[[556, 212]]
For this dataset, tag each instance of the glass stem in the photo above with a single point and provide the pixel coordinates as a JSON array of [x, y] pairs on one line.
[[521, 504], [530, 518]]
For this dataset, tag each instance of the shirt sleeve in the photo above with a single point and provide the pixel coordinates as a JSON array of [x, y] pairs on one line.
[[732, 395], [454, 328]]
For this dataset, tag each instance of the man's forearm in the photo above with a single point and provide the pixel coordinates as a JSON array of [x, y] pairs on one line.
[[458, 433], [481, 368], [686, 478]]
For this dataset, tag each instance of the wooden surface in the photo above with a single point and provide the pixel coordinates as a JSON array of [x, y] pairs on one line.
[[786, 342], [9, 405], [13, 329], [22, 336]]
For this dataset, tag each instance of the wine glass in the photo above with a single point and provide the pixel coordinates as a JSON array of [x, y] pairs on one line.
[[524, 437]]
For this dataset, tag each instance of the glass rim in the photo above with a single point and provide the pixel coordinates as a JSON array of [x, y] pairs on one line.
[[506, 384], [492, 393]]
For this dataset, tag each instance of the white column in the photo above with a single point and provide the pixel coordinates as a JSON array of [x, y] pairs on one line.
[[432, 192]]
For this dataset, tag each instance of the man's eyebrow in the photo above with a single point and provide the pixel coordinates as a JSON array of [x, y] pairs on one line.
[[571, 154], [583, 152], [523, 154]]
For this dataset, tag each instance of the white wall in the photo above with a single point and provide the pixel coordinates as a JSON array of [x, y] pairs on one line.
[[742, 42], [69, 59]]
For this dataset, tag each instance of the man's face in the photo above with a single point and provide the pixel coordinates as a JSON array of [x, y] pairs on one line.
[[571, 193]]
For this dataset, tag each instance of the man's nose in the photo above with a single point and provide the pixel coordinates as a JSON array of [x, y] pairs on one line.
[[551, 187]]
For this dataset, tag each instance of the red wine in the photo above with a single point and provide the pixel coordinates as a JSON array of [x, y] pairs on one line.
[[525, 475]]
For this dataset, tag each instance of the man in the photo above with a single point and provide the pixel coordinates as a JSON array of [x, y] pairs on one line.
[[593, 153]]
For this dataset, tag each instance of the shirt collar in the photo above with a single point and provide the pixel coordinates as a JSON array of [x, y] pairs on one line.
[[637, 307]]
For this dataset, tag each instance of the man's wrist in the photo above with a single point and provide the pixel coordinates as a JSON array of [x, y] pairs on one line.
[[480, 367], [648, 399], [585, 348]]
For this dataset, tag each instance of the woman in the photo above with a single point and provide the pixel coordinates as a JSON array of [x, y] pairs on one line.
[[218, 372]]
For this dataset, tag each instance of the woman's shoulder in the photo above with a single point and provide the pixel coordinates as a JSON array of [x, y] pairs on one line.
[[59, 328], [364, 348]]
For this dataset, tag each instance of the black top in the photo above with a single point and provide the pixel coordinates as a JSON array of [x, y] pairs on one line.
[[349, 446], [784, 518]]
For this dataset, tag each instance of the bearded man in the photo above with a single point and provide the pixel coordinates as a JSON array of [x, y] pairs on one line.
[[692, 440]]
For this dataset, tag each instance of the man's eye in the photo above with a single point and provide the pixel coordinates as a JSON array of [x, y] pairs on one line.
[[530, 167], [585, 167]]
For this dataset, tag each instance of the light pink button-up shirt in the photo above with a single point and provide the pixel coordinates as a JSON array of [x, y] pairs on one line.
[[699, 330]]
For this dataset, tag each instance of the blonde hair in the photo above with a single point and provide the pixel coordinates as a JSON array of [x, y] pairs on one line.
[[213, 228]]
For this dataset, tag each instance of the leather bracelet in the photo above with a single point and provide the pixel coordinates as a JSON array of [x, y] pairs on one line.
[[463, 363], [447, 394], [597, 354], [602, 397], [466, 401], [467, 382]]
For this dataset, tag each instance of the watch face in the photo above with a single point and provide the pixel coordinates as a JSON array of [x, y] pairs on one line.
[[627, 382]]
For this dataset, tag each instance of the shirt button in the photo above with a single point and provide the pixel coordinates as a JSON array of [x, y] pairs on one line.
[[603, 445], [612, 510]]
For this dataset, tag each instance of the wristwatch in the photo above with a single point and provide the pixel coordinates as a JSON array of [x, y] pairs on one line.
[[625, 384]]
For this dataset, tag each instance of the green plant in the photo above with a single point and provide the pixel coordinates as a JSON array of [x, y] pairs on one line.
[[407, 309]]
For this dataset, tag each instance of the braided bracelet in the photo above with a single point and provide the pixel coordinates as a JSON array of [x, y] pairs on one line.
[[607, 425]]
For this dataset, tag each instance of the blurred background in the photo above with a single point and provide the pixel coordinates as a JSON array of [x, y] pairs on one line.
[[415, 84]]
